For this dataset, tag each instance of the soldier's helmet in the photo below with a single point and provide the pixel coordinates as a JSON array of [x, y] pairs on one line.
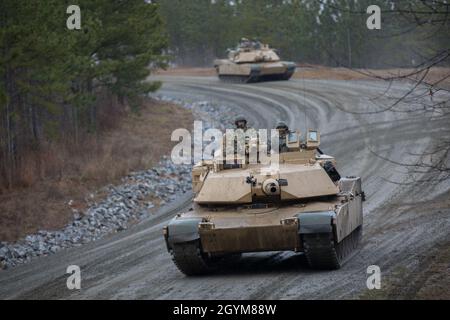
[[244, 43], [282, 126], [240, 119]]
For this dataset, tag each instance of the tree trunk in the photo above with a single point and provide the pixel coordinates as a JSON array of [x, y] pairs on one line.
[[10, 158]]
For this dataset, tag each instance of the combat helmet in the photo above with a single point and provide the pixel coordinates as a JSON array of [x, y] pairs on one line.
[[240, 119], [282, 126]]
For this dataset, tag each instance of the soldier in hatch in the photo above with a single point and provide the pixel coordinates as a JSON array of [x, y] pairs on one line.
[[245, 44], [241, 123], [283, 131], [256, 44], [241, 137]]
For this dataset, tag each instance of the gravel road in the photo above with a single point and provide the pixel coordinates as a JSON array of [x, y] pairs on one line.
[[402, 222]]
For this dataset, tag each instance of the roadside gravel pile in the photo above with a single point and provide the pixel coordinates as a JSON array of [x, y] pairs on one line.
[[125, 204]]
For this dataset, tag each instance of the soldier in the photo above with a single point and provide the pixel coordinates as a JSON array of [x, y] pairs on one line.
[[256, 44], [243, 136], [283, 131], [244, 44], [241, 123]]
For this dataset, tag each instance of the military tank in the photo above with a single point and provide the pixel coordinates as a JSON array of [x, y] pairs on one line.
[[296, 201], [253, 61]]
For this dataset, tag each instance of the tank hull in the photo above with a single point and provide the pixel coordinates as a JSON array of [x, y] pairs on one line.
[[254, 72], [327, 230]]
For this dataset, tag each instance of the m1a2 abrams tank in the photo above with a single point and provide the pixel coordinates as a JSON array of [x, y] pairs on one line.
[[253, 61], [301, 205]]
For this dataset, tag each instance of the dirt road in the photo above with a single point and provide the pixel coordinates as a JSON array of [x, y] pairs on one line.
[[403, 223]]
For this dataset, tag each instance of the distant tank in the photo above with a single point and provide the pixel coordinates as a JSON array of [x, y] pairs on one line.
[[301, 205], [253, 61]]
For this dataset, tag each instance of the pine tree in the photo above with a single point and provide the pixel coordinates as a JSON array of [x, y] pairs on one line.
[[51, 77]]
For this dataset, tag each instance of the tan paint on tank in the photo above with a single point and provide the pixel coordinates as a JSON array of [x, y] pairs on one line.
[[306, 181]]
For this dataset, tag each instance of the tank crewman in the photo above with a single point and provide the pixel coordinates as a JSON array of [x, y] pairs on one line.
[[256, 44], [248, 132], [245, 44], [283, 131], [241, 123]]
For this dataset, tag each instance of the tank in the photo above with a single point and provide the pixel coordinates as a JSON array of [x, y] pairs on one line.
[[295, 202], [253, 61]]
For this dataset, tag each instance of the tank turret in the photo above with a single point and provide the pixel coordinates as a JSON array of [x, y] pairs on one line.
[[299, 172]]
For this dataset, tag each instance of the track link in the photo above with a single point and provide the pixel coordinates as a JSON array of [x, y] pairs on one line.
[[322, 252], [190, 260]]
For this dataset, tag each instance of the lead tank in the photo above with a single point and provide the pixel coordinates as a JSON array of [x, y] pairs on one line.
[[253, 61], [297, 202]]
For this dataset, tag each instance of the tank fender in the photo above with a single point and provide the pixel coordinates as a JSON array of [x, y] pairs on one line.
[[316, 222], [291, 66], [182, 230], [351, 184]]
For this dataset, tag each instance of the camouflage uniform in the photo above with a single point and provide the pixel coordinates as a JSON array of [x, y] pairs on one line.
[[283, 131]]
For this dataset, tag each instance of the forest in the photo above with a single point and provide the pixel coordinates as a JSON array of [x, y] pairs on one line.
[[325, 32], [59, 86]]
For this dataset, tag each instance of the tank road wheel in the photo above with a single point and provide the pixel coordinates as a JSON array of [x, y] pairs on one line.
[[190, 260], [322, 252]]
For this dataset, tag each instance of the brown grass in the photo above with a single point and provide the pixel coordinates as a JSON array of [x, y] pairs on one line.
[[137, 141], [187, 71], [319, 72]]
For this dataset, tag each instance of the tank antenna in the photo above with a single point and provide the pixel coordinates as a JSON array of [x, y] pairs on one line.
[[304, 105]]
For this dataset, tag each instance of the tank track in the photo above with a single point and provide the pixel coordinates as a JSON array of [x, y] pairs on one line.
[[322, 252], [277, 77], [190, 260], [253, 79], [235, 79]]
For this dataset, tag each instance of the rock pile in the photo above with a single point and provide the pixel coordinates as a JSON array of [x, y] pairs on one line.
[[124, 204]]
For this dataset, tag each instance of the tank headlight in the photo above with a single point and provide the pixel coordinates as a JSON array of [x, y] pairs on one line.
[[206, 225], [289, 221]]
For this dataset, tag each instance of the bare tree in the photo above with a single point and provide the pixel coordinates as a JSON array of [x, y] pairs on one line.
[[429, 93]]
